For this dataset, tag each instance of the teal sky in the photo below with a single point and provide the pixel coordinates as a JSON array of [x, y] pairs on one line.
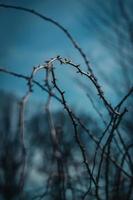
[[27, 41]]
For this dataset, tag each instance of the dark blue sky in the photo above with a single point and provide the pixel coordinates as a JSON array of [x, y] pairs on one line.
[[27, 41]]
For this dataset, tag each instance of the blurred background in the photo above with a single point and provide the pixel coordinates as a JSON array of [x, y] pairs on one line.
[[104, 30]]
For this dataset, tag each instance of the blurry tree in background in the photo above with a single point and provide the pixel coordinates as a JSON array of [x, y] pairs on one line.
[[113, 29], [113, 26], [65, 155]]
